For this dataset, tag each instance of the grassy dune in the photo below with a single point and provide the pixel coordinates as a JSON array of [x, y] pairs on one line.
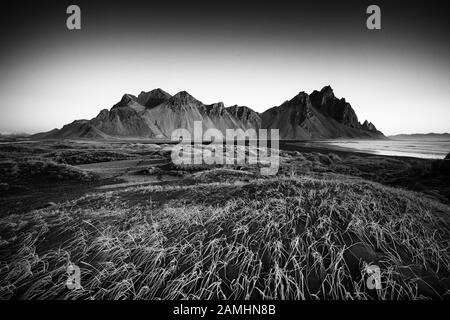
[[29, 170], [287, 237]]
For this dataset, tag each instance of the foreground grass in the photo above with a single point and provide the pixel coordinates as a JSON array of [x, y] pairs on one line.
[[282, 238]]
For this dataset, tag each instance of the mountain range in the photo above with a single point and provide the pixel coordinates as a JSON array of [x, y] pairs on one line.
[[156, 113]]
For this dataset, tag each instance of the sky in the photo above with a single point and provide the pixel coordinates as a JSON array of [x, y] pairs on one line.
[[254, 53]]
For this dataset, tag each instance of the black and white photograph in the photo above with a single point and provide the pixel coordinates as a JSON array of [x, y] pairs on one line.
[[225, 151]]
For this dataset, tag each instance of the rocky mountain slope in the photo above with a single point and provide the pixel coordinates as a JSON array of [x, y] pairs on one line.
[[317, 116], [156, 114]]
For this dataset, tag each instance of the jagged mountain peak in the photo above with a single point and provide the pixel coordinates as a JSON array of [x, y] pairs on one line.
[[327, 90], [153, 98], [367, 125], [103, 114], [323, 96], [301, 99], [301, 95], [183, 94], [236, 108], [338, 109], [184, 97], [155, 93], [218, 104], [217, 108], [159, 92], [244, 113], [125, 100]]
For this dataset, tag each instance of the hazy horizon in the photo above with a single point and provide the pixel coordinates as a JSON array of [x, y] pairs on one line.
[[252, 54]]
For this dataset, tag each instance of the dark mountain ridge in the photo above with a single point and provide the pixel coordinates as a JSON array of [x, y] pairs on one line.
[[317, 116], [156, 114]]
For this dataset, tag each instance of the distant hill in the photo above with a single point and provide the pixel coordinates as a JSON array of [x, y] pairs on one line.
[[14, 135], [155, 114], [422, 136], [7, 136]]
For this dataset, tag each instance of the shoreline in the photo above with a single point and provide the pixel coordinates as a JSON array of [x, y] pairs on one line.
[[315, 145]]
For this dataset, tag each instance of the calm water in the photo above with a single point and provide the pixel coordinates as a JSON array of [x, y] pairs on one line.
[[407, 148]]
